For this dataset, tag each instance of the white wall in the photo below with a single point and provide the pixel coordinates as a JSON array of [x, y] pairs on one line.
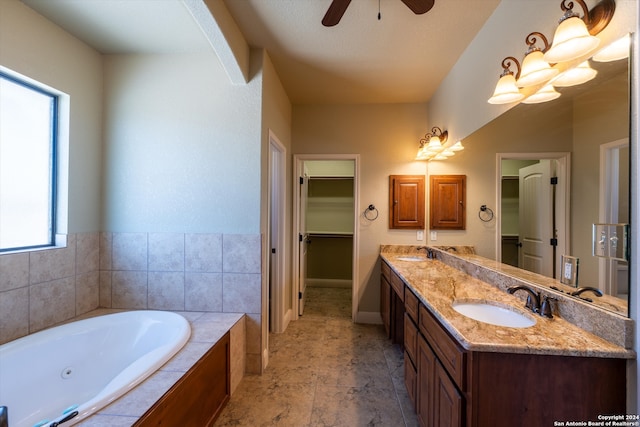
[[182, 146]]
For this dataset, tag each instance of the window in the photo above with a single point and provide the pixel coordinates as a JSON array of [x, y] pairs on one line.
[[28, 128]]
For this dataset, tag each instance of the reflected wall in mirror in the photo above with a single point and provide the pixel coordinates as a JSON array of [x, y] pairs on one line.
[[591, 122]]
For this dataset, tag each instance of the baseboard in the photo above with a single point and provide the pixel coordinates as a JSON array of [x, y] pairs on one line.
[[329, 283], [287, 319], [369, 317]]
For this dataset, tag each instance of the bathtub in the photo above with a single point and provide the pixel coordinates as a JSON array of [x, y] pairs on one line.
[[80, 367]]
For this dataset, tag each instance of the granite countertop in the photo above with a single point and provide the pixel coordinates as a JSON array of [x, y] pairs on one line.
[[437, 285]]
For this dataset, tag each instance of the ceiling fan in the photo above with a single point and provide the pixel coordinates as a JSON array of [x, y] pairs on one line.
[[338, 7]]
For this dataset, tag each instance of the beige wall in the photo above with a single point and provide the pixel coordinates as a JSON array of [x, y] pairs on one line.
[[34, 47], [386, 138]]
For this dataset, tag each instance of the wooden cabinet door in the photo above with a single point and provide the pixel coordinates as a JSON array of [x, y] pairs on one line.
[[426, 371], [447, 401], [447, 199], [385, 303], [406, 201]]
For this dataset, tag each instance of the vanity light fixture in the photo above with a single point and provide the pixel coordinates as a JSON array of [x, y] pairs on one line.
[[546, 93], [535, 70], [619, 49], [575, 36], [506, 90], [575, 76], [434, 146]]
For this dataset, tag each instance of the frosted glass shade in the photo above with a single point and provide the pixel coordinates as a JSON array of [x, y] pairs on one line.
[[547, 93], [571, 41], [434, 144], [457, 146], [575, 76], [535, 70], [619, 49], [506, 91]]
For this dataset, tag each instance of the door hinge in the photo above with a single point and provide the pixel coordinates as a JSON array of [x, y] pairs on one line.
[[299, 237], [299, 295], [553, 242], [301, 180], [554, 180], [273, 250]]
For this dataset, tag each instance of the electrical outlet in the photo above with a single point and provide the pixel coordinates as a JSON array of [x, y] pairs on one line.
[[434, 236], [420, 235]]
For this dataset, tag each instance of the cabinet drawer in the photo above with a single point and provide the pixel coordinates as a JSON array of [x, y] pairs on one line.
[[453, 358], [410, 337], [411, 304], [398, 285], [385, 270]]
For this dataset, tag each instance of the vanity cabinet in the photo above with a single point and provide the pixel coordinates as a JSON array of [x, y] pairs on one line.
[[451, 386], [395, 309]]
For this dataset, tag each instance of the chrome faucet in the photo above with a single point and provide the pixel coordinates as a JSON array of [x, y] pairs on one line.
[[533, 299], [580, 291], [430, 253], [536, 302]]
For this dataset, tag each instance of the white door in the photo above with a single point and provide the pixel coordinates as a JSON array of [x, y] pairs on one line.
[[303, 240], [536, 218]]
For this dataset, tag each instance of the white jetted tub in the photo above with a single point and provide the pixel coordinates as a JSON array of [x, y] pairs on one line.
[[65, 374]]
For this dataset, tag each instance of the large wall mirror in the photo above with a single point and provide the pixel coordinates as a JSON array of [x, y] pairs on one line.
[[588, 130]]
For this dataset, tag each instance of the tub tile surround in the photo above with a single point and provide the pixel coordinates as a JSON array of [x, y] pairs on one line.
[[608, 333], [165, 271], [41, 288], [206, 330]]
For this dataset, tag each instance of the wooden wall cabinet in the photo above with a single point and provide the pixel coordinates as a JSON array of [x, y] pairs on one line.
[[447, 200], [407, 202]]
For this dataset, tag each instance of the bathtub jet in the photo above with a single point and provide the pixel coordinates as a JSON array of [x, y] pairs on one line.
[[62, 375]]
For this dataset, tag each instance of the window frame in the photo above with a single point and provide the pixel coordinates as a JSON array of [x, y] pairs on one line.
[[53, 158]]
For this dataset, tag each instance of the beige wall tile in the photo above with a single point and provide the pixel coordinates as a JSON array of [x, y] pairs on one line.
[[166, 252], [52, 264], [106, 251], [51, 303], [129, 289], [166, 291], [87, 252], [241, 253], [130, 251], [105, 289], [14, 271], [14, 314], [203, 252], [203, 292], [87, 292], [241, 293]]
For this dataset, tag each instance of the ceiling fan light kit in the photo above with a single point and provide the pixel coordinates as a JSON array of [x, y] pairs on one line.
[[544, 68]]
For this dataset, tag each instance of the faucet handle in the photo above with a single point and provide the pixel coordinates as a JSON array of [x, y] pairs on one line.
[[546, 309]]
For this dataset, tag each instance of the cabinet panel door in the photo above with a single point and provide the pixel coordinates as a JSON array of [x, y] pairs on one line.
[[447, 401], [410, 379], [385, 303], [447, 199], [424, 395], [407, 201]]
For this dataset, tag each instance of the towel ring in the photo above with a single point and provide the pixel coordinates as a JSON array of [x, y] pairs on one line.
[[485, 214], [370, 216]]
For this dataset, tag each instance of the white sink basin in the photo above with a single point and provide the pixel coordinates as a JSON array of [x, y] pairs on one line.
[[493, 314], [411, 258]]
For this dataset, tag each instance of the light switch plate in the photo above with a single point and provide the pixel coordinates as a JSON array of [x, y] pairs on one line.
[[434, 236], [420, 235]]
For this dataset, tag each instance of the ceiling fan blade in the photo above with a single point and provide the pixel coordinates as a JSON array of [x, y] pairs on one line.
[[335, 12], [419, 6]]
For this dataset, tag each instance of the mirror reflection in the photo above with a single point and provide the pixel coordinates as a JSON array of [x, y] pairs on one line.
[[591, 123]]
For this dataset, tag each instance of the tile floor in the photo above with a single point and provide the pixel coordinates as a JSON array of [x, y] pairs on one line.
[[325, 371]]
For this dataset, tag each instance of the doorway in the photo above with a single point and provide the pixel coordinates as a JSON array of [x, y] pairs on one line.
[[325, 225], [279, 311], [529, 173]]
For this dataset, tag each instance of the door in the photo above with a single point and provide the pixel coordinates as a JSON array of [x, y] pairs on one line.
[[536, 218], [303, 243]]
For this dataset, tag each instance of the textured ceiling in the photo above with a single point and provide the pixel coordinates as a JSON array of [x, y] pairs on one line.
[[400, 58]]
